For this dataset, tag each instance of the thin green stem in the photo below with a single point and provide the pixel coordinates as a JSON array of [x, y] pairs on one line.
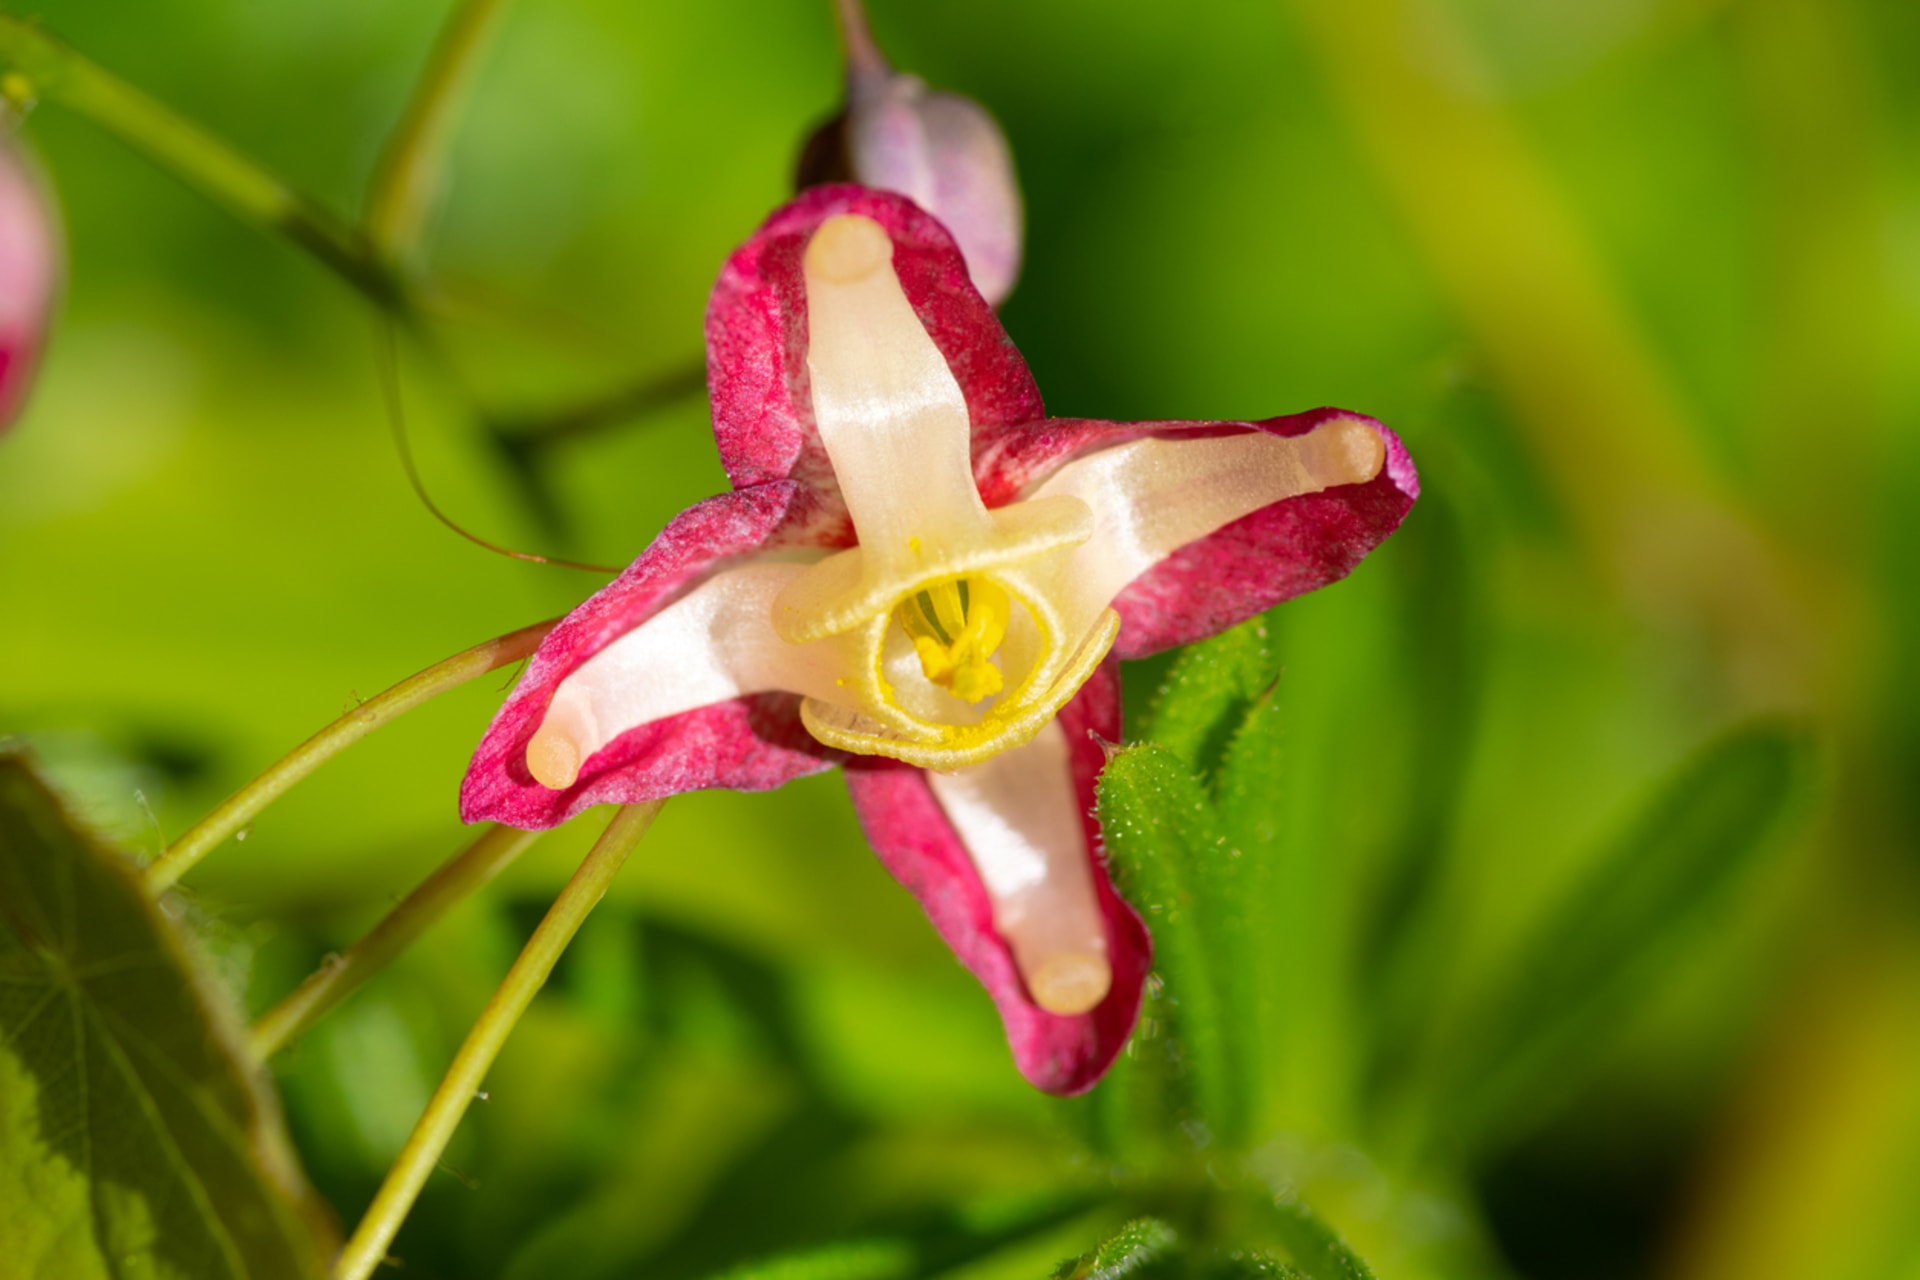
[[342, 975], [421, 1154], [51, 70], [243, 805], [408, 179]]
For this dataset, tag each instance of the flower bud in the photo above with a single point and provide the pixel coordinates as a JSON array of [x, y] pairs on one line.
[[29, 275], [942, 151]]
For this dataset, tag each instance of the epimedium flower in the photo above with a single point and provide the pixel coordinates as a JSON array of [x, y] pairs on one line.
[[921, 577]]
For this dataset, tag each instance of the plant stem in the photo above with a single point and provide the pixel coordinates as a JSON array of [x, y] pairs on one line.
[[337, 979], [240, 808], [368, 1246], [408, 178], [49, 68], [864, 59], [522, 437]]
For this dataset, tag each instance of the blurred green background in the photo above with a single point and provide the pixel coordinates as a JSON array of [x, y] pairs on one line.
[[1638, 281]]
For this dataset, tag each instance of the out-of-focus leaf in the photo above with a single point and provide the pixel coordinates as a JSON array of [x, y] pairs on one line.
[[135, 1139], [1207, 693], [854, 1260], [1711, 823], [1133, 1250], [1251, 1266], [1173, 865], [1439, 605], [1315, 1247]]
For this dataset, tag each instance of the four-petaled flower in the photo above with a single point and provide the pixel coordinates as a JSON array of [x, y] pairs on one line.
[[922, 577]]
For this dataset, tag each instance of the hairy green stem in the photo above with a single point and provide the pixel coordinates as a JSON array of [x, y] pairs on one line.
[[342, 975], [36, 65], [408, 179], [421, 1154], [241, 807]]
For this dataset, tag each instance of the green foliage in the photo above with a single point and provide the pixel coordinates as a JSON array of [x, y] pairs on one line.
[[1133, 1250], [1172, 864], [1316, 1247], [855, 1260], [1625, 927], [135, 1138]]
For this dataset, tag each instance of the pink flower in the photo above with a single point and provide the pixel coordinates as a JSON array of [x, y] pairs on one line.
[[922, 577], [29, 277]]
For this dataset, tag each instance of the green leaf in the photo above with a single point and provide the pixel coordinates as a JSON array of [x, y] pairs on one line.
[[1315, 1246], [135, 1138], [854, 1260], [1208, 692], [1171, 863], [1129, 1251], [1251, 1266], [1615, 936]]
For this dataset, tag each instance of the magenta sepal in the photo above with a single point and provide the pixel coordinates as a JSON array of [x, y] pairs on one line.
[[753, 743], [757, 338], [907, 828]]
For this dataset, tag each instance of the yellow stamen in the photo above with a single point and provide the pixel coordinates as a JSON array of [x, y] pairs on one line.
[[955, 627]]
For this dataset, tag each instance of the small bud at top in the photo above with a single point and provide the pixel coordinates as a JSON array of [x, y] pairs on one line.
[[942, 151], [29, 276]]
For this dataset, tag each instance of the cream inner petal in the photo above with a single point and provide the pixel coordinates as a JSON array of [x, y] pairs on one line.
[[1151, 497], [889, 412], [1020, 821], [714, 643]]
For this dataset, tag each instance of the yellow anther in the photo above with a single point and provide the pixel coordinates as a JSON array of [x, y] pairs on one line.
[[955, 627]]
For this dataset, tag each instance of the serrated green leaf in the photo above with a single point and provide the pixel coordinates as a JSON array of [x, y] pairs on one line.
[[1316, 1247], [1207, 692], [1130, 1251], [1172, 864], [1708, 826], [135, 1138]]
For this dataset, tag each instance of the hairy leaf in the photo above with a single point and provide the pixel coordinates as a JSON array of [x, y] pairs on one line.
[[1173, 865], [1130, 1251], [135, 1138], [1316, 1247], [1207, 693]]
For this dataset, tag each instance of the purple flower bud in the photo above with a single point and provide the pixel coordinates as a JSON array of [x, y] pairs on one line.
[[29, 276], [942, 151]]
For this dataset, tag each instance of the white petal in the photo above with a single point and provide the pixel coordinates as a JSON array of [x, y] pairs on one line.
[[888, 409], [1020, 821], [714, 643], [1151, 497]]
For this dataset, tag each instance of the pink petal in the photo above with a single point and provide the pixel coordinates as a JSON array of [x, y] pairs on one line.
[[753, 743], [757, 338], [1274, 554], [30, 257], [907, 828]]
